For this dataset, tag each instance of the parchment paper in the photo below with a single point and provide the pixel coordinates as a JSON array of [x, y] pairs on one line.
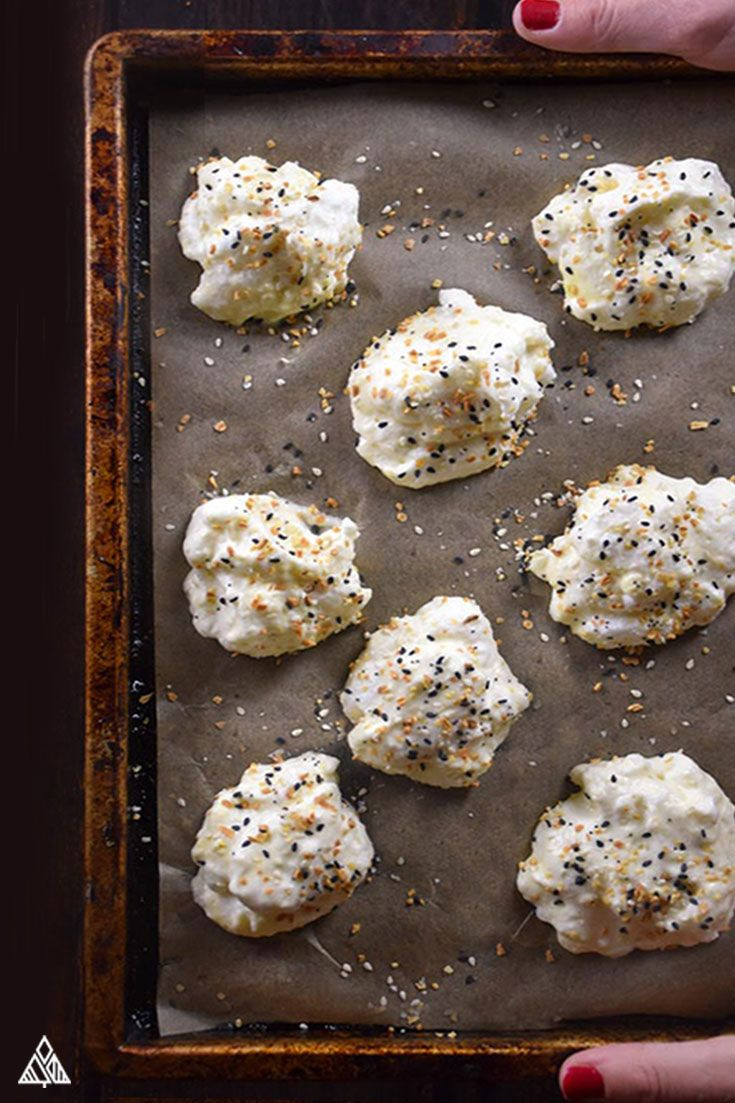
[[457, 850]]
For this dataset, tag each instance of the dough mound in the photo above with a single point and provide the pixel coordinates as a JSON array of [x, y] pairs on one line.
[[431, 697], [641, 858], [270, 576], [281, 849], [271, 241], [645, 557], [447, 393], [639, 246]]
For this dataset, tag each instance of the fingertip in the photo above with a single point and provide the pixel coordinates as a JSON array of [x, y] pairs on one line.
[[534, 17], [580, 1081]]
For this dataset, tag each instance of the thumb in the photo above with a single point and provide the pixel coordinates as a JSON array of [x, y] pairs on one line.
[[653, 1072], [701, 31]]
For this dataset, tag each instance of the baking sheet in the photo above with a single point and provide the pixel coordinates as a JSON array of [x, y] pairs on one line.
[[487, 158]]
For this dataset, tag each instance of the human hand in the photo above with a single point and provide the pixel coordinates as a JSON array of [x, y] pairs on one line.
[[700, 31], [653, 1072]]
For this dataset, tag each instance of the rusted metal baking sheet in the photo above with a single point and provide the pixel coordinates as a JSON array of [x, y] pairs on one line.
[[122, 70]]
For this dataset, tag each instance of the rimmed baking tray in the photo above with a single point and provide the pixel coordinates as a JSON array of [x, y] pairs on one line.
[[125, 71]]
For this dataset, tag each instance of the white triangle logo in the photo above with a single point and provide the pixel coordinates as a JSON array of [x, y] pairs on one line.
[[44, 1067]]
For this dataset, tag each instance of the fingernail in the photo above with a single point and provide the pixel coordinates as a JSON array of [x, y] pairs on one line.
[[580, 1082], [539, 15]]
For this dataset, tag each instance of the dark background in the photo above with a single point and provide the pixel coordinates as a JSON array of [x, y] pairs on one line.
[[45, 42]]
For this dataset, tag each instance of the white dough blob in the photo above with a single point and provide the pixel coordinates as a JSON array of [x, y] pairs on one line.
[[448, 392], [644, 558], [642, 857], [431, 696], [271, 241], [270, 576], [281, 849], [638, 246]]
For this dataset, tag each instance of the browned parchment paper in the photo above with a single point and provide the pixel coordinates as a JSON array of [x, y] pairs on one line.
[[476, 165]]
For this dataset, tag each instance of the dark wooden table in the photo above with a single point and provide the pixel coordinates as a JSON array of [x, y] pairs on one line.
[[45, 44]]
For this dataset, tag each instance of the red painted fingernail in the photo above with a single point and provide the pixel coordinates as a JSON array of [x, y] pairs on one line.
[[581, 1082], [539, 15]]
